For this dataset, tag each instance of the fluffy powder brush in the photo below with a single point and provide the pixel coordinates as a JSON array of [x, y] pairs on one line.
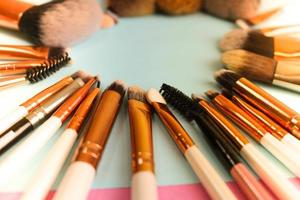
[[59, 23]]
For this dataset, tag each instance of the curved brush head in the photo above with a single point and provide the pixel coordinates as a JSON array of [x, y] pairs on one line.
[[136, 93], [226, 78], [118, 86]]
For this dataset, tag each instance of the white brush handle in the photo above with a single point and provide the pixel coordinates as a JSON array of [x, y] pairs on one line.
[[11, 118], [269, 174], [50, 167], [282, 152], [143, 186], [208, 175], [77, 182], [27, 149], [292, 141]]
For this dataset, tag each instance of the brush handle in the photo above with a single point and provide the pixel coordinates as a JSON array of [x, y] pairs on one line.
[[208, 175], [76, 182], [144, 186], [249, 184], [269, 174], [286, 85], [291, 141], [283, 153], [11, 118], [50, 167], [24, 152]]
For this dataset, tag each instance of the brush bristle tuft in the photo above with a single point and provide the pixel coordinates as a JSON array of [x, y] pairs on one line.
[[234, 40], [82, 75], [56, 51], [197, 97], [184, 104], [118, 86], [136, 93], [250, 65], [227, 78], [211, 94], [228, 94]]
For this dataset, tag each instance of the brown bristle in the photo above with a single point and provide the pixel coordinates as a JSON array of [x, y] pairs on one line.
[[227, 93], [118, 86], [54, 52], [250, 65], [235, 39], [226, 78], [83, 75], [131, 8], [211, 94], [136, 93], [197, 97], [178, 7]]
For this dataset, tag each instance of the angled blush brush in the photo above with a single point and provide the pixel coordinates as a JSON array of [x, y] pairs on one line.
[[259, 98], [207, 174], [285, 74], [284, 153], [223, 147], [278, 47], [59, 23]]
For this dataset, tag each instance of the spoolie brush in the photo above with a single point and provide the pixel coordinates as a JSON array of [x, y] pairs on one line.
[[256, 67], [59, 23], [278, 47]]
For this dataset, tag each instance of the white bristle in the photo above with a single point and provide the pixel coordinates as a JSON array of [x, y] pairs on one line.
[[154, 96]]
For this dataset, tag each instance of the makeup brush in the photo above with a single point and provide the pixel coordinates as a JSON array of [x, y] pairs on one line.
[[284, 153], [260, 99], [284, 74], [268, 172], [23, 52], [143, 184], [278, 47], [275, 129], [28, 148], [53, 162], [207, 174], [179, 7], [132, 8], [232, 9], [59, 23], [80, 174], [220, 144]]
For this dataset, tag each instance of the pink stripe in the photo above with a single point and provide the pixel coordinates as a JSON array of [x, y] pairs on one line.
[[174, 192]]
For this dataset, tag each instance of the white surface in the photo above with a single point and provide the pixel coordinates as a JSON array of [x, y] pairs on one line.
[[76, 182], [209, 177], [291, 141], [26, 151], [143, 186], [42, 181], [12, 117], [270, 174]]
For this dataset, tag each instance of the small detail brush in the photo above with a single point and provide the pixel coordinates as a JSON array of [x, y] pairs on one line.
[[207, 174], [284, 74]]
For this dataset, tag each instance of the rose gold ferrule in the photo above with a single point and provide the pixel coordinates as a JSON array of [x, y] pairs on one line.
[[262, 100], [141, 136], [91, 149], [36, 100], [23, 52], [64, 111], [241, 118], [7, 73], [10, 81], [175, 129], [82, 111], [12, 10], [271, 126], [231, 132]]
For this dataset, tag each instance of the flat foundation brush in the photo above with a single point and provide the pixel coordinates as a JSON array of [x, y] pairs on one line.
[[278, 47], [285, 74], [220, 144], [259, 98]]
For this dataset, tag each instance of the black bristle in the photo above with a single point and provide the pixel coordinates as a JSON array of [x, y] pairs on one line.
[[54, 52], [118, 86], [260, 44], [228, 94], [227, 78], [47, 68], [184, 104]]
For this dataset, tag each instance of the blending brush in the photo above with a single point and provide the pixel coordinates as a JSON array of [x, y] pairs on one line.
[[80, 175], [179, 7], [269, 173], [274, 128], [223, 148], [132, 8], [260, 68], [278, 47], [143, 184], [66, 101], [207, 174], [284, 153], [56, 157], [59, 23], [260, 99]]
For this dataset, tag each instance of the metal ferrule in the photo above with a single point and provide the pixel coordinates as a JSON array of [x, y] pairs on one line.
[[141, 136], [21, 52], [175, 129]]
